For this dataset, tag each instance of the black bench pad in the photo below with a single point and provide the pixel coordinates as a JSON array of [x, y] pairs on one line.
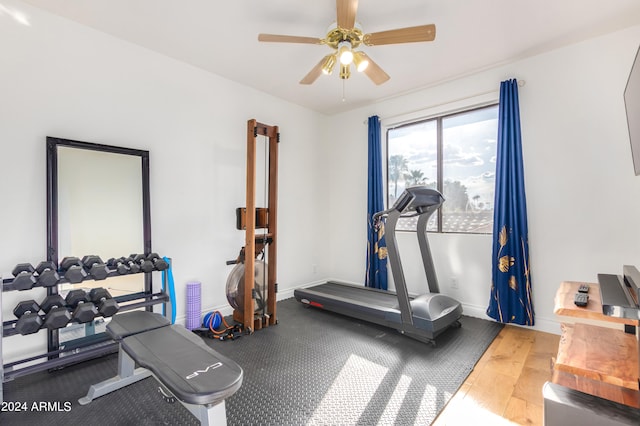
[[134, 322], [181, 361]]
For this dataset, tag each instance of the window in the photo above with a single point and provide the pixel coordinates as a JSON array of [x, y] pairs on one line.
[[455, 154]]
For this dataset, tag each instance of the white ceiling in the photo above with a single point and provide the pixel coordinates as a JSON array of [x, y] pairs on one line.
[[471, 35]]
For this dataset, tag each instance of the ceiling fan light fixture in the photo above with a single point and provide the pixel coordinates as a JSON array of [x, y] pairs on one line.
[[361, 61], [328, 64], [345, 36], [345, 53]]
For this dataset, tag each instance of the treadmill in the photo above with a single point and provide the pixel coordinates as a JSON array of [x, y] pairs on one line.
[[422, 317]]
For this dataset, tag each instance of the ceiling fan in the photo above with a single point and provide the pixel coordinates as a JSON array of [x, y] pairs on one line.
[[345, 36]]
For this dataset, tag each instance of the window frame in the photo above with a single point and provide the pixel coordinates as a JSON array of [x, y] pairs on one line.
[[438, 118]]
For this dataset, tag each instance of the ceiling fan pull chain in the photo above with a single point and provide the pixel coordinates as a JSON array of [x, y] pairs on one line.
[[344, 98]]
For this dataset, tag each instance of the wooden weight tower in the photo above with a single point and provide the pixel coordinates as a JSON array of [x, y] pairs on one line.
[[252, 218]]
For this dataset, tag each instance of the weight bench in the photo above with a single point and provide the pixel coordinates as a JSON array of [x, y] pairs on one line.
[[199, 377]]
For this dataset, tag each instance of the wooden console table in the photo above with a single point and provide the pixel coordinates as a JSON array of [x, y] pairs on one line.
[[593, 359], [590, 314]]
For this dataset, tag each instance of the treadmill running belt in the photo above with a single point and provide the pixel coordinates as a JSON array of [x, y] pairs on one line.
[[361, 295]]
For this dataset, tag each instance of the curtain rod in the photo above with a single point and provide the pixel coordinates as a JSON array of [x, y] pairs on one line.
[[521, 83]]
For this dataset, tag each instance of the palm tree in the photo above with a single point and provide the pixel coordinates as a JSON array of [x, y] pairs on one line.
[[415, 177], [397, 166]]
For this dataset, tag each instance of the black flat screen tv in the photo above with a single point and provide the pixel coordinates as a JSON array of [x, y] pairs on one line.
[[632, 105]]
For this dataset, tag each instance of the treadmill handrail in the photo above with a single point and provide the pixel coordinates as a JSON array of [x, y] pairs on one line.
[[406, 313], [380, 214], [404, 203], [385, 213]]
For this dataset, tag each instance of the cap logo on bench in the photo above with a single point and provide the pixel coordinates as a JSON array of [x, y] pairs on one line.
[[197, 372]]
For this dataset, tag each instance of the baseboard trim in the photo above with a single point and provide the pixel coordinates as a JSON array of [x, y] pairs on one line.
[[226, 309], [542, 324]]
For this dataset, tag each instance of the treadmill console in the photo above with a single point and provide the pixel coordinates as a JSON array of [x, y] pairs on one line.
[[419, 199]]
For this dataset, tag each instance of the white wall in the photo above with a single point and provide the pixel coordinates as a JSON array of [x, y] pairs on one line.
[[583, 198], [61, 79]]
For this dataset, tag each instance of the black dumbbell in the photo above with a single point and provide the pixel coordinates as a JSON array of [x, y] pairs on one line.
[[96, 267], [106, 305], [47, 274], [83, 309], [118, 265], [159, 264], [73, 270], [134, 268], [24, 277], [29, 321], [141, 260], [57, 315]]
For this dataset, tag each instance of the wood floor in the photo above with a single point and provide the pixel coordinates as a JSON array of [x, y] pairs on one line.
[[505, 388]]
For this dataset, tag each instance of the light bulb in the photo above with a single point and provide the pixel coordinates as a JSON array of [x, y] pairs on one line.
[[361, 61], [345, 53], [328, 64], [345, 72]]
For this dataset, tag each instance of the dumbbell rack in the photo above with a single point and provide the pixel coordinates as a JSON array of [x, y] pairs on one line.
[[70, 354]]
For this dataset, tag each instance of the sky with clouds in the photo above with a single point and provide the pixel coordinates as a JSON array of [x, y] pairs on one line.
[[469, 154]]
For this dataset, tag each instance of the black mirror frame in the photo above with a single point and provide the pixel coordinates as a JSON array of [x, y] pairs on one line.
[[52, 206]]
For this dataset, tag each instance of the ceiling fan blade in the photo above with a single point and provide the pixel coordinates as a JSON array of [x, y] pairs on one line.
[[374, 72], [288, 39], [314, 73], [401, 35], [346, 12]]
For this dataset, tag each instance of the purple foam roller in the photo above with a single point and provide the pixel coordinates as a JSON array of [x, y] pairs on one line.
[[194, 305]]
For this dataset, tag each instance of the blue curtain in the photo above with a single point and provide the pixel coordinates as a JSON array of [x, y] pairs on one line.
[[376, 245], [511, 278]]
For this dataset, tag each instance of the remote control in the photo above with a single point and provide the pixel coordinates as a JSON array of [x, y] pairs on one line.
[[584, 288], [581, 299]]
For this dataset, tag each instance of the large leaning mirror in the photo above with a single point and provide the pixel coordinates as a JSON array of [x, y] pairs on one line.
[[97, 204]]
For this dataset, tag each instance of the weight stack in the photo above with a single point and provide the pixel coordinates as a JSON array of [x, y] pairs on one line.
[[194, 305]]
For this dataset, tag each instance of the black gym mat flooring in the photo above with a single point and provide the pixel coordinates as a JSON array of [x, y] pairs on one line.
[[314, 367]]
